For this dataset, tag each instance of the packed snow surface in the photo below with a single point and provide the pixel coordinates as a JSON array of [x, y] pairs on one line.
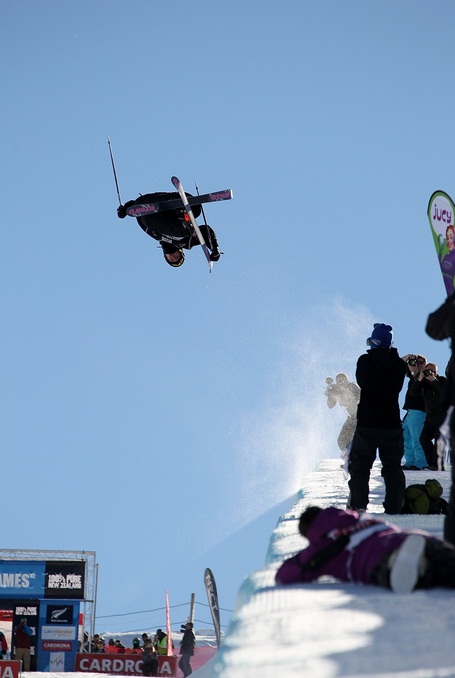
[[329, 629]]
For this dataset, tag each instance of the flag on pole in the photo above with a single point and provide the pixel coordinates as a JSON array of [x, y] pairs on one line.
[[170, 648], [212, 596], [441, 214]]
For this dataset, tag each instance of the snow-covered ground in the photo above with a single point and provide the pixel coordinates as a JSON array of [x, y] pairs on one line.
[[328, 630]]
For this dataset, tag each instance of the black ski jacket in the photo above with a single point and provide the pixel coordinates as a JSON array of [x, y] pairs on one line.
[[380, 374], [188, 642], [169, 227], [412, 400], [435, 396]]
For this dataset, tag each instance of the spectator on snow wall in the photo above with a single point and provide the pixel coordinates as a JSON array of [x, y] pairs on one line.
[[414, 456], [441, 325], [360, 549], [380, 374], [433, 388]]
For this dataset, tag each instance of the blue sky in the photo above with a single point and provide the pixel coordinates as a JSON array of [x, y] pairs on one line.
[[153, 415]]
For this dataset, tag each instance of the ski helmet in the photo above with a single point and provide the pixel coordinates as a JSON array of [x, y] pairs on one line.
[[179, 261]]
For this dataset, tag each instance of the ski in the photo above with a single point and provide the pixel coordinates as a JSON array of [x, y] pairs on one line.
[[178, 185], [153, 207]]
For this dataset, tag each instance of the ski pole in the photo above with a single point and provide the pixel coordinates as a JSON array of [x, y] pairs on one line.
[[203, 213], [113, 169]]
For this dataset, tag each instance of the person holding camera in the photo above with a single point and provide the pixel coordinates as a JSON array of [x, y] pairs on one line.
[[434, 391], [414, 456], [186, 648]]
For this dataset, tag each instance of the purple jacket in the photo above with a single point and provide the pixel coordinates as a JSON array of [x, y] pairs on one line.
[[370, 540]]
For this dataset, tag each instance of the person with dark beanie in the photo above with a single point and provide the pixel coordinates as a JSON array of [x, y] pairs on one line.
[[380, 374]]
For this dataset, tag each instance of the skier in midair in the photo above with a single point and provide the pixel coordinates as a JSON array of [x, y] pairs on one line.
[[172, 228]]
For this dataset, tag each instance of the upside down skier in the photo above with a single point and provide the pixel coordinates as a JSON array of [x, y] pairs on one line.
[[172, 228]]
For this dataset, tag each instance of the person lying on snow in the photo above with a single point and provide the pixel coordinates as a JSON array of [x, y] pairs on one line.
[[361, 549], [172, 228]]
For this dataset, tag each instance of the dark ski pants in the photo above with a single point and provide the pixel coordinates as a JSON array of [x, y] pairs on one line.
[[449, 522], [437, 569], [184, 664], [428, 440], [389, 443], [439, 566]]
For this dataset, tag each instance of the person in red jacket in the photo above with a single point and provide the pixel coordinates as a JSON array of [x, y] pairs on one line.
[[3, 646], [22, 643]]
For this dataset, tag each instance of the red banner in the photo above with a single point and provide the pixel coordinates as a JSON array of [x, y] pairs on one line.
[[123, 664], [9, 668]]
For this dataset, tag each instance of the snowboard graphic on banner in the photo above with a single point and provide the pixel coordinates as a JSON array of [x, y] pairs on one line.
[[441, 210]]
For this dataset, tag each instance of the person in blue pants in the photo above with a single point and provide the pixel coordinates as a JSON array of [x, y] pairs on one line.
[[414, 456]]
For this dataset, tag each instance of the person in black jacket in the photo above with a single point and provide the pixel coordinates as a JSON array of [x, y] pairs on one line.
[[413, 420], [172, 228], [441, 325], [187, 649], [433, 389], [380, 374]]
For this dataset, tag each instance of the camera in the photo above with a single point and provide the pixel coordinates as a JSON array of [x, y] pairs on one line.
[[183, 628]]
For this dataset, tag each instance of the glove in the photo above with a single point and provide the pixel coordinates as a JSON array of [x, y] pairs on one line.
[[215, 255], [121, 211]]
